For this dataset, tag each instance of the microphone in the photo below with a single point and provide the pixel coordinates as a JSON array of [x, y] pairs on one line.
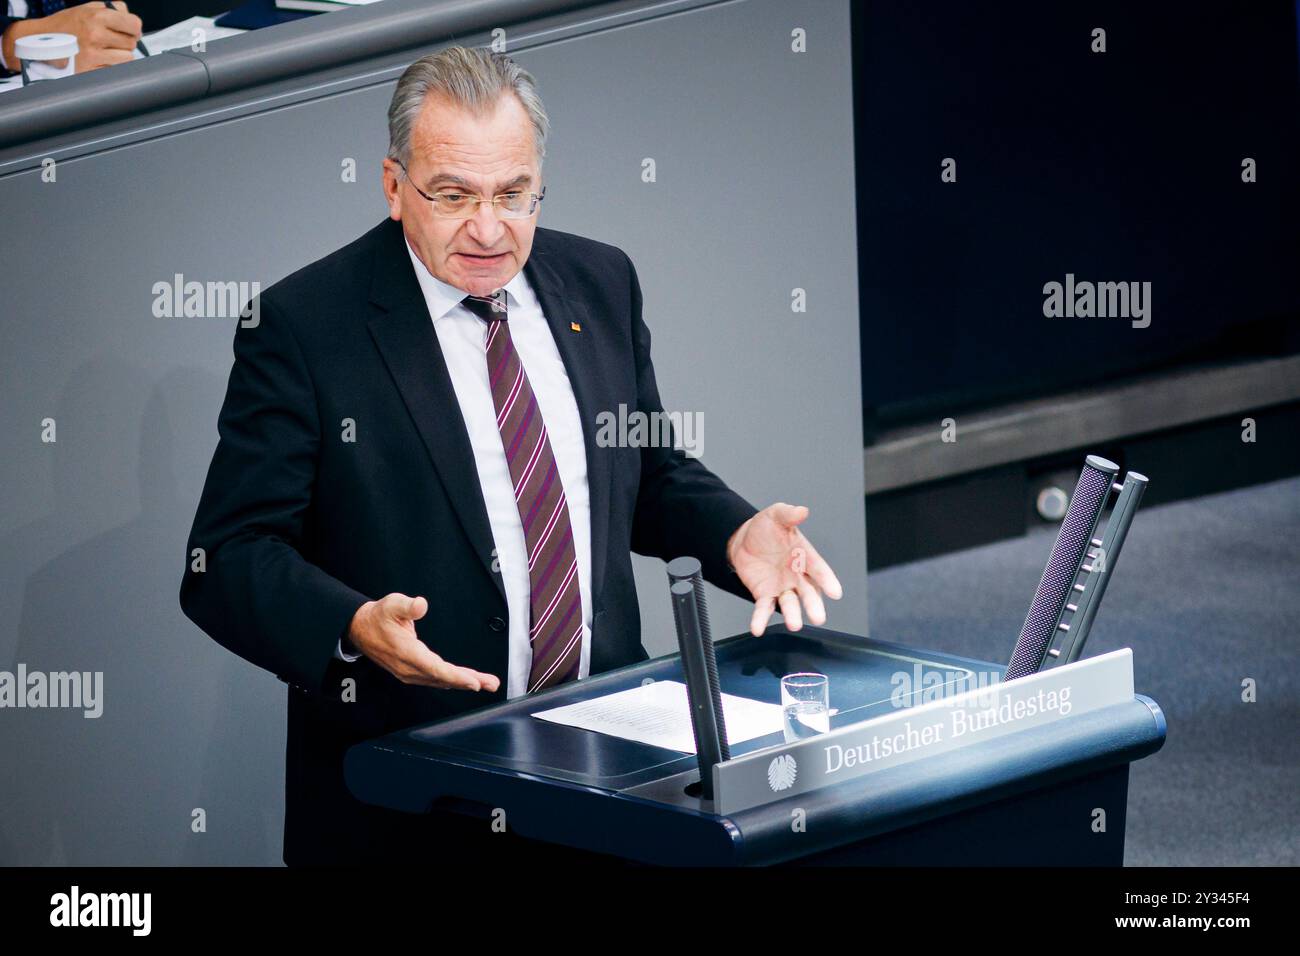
[[703, 689], [1099, 572], [1058, 582]]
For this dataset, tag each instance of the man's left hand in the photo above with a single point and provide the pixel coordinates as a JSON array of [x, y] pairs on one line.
[[779, 566]]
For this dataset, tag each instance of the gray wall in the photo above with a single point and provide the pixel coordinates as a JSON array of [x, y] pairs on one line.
[[754, 197]]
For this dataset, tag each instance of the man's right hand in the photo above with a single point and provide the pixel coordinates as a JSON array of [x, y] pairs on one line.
[[104, 36], [384, 631]]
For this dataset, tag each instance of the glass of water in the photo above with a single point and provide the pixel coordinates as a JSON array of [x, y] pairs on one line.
[[806, 700]]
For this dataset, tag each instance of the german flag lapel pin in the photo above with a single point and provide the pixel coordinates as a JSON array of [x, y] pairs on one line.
[[575, 327]]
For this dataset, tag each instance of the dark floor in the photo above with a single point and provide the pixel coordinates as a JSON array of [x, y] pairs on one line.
[[1207, 594]]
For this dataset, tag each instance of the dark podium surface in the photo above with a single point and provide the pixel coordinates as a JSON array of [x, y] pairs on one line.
[[1030, 797]]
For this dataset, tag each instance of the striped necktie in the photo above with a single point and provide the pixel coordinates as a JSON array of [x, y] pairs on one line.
[[555, 601]]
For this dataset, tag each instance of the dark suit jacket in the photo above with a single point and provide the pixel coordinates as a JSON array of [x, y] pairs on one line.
[[300, 527]]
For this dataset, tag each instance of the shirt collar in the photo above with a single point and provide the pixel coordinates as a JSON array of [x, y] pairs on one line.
[[442, 297]]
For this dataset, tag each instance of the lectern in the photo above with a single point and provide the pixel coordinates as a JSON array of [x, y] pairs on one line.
[[930, 760]]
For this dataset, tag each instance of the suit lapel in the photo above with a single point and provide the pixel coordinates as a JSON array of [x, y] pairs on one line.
[[403, 332]]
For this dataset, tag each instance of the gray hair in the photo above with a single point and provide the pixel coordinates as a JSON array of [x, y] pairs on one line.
[[472, 78]]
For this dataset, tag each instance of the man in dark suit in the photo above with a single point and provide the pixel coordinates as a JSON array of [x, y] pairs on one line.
[[408, 513]]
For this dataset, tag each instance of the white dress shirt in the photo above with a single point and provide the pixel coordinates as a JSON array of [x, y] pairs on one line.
[[461, 336]]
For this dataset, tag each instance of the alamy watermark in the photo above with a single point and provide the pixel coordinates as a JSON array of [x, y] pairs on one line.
[[177, 298], [921, 685], [77, 909], [82, 690], [638, 429], [1102, 300]]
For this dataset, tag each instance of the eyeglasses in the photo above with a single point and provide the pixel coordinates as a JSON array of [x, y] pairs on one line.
[[454, 205]]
